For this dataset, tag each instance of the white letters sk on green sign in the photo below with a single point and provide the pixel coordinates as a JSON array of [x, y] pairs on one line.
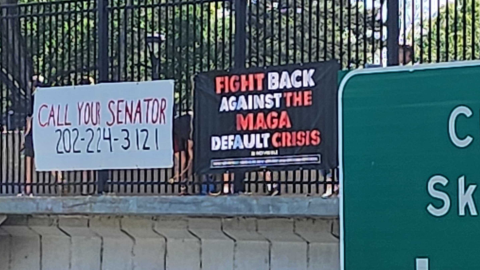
[[409, 149]]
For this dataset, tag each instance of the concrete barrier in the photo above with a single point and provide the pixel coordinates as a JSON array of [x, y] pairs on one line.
[[252, 250], [5, 251], [224, 206], [25, 244], [183, 249], [133, 243], [117, 246], [54, 243], [217, 249], [86, 246], [168, 233], [322, 237], [149, 250], [287, 249]]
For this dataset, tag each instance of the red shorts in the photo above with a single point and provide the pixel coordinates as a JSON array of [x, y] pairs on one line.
[[179, 145]]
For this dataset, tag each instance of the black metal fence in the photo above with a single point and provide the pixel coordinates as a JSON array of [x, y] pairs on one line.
[[133, 40]]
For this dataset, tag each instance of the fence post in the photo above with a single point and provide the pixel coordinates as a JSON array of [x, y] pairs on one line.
[[102, 175], [102, 40], [240, 33], [392, 32]]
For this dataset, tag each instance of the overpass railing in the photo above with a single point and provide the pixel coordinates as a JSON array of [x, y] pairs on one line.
[[133, 40]]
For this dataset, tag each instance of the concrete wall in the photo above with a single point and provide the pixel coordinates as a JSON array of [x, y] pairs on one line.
[[183, 243]]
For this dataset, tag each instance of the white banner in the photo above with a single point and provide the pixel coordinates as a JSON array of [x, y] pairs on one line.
[[104, 126]]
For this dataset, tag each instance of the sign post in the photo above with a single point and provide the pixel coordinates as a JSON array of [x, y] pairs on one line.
[[409, 152]]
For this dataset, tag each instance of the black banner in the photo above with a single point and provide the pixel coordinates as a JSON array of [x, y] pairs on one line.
[[282, 117]]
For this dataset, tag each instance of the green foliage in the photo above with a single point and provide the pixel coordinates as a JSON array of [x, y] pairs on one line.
[[454, 35], [306, 31], [62, 44], [61, 37], [194, 40]]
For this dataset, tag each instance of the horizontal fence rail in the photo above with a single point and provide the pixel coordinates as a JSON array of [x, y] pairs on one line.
[[133, 40]]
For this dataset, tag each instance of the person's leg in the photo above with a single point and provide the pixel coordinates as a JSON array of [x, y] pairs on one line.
[[186, 159], [29, 169], [227, 179], [182, 162], [29, 165], [178, 166], [59, 176], [239, 181], [61, 188], [180, 174], [176, 159], [90, 179], [207, 185], [102, 181], [272, 188], [224, 188], [86, 176], [189, 159], [328, 183], [334, 176]]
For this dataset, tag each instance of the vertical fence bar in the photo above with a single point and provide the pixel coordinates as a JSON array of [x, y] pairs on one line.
[[15, 70], [357, 31], [438, 36], [102, 40], [102, 6], [373, 22], [430, 31], [281, 27], [473, 21], [392, 32], [365, 39], [421, 31], [272, 32], [464, 24], [254, 39], [3, 129], [7, 61], [240, 33], [25, 75]]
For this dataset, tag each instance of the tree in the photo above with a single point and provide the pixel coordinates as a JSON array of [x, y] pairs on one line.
[[454, 34], [199, 36], [194, 40], [294, 31], [15, 63], [55, 39]]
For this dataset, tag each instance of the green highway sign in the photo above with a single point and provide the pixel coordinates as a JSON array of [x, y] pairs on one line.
[[409, 150]]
